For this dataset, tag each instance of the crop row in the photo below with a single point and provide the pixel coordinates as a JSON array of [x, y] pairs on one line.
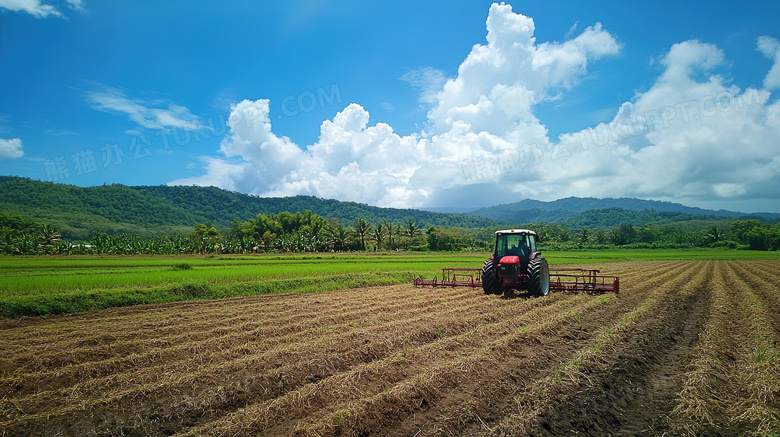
[[144, 353], [405, 360], [733, 379]]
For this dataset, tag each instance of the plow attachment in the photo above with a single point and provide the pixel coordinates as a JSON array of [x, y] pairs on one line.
[[570, 280], [453, 278], [582, 280]]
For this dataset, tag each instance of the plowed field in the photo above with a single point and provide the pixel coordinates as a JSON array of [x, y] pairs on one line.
[[688, 347]]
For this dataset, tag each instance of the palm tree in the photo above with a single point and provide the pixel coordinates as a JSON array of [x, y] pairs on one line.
[[338, 237], [49, 235], [378, 236], [411, 230], [362, 228], [714, 234], [389, 227], [584, 236], [398, 230]]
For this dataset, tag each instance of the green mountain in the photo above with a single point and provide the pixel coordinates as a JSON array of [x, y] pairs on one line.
[[79, 212], [565, 211], [614, 217]]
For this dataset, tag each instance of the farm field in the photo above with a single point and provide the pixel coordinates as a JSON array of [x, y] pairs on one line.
[[687, 347], [34, 286]]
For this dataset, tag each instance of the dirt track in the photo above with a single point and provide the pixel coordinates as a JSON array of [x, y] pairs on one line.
[[404, 361]]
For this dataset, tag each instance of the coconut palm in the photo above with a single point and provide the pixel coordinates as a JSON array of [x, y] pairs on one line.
[[378, 236], [49, 235], [398, 229], [389, 229], [338, 237], [411, 230], [362, 228]]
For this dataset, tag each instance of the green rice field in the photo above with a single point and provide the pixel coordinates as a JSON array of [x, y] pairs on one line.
[[31, 286]]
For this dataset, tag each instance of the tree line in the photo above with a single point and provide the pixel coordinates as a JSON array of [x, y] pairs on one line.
[[740, 234], [283, 232], [307, 232]]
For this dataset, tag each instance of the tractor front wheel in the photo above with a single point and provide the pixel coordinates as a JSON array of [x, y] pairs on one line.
[[490, 282], [538, 277]]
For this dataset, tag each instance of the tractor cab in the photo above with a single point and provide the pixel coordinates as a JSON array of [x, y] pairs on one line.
[[515, 242]]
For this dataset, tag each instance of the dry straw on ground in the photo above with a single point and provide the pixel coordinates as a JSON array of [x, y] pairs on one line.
[[688, 347]]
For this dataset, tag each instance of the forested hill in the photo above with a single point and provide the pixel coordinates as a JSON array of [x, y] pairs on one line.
[[78, 212], [149, 210], [220, 203], [563, 211]]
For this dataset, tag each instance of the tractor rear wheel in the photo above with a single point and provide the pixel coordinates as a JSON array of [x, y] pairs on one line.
[[490, 282], [538, 277]]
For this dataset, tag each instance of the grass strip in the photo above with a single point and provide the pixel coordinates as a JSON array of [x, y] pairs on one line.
[[88, 300]]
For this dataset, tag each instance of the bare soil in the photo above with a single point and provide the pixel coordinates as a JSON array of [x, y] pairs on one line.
[[394, 360]]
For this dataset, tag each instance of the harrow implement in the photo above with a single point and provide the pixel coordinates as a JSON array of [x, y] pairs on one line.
[[567, 280], [453, 277], [582, 280]]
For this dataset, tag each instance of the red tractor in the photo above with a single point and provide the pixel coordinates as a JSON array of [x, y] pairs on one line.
[[516, 264]]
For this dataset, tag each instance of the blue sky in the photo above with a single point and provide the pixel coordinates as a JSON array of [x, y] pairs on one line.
[[403, 104]]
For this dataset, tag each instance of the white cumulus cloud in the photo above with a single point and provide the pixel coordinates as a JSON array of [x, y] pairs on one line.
[[691, 135], [486, 109], [498, 83], [11, 149], [350, 160], [770, 47]]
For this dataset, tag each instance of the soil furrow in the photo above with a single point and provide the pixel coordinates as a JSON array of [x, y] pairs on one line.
[[588, 393], [438, 358], [687, 347], [339, 349], [671, 272], [152, 323], [162, 346]]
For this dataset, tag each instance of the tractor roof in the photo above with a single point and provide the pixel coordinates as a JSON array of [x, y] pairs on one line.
[[516, 231]]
